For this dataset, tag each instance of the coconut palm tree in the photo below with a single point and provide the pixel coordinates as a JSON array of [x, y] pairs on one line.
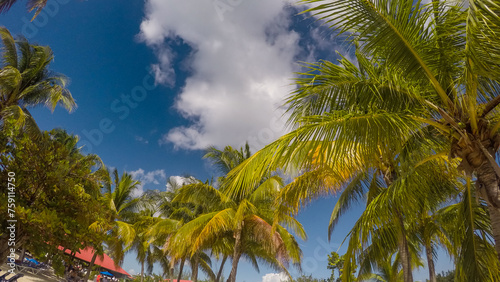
[[247, 223], [466, 224], [118, 197], [168, 218], [389, 270], [448, 51], [362, 142], [419, 68], [142, 219], [26, 81]]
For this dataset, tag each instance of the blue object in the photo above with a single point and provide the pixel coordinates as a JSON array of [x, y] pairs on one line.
[[106, 273], [33, 261]]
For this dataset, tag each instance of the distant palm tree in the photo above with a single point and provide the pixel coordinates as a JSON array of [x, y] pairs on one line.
[[168, 218], [25, 81], [118, 227], [119, 196], [250, 222], [388, 270]]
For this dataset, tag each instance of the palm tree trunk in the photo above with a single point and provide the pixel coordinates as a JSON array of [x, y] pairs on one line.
[[237, 253], [219, 274], [89, 269], [430, 262], [489, 191], [194, 268], [172, 275], [142, 270], [404, 251], [180, 271], [495, 227]]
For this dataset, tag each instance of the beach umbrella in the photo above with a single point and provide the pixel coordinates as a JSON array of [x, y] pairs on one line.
[[33, 261], [106, 273]]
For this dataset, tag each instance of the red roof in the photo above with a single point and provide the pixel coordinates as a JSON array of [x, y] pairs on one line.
[[106, 262]]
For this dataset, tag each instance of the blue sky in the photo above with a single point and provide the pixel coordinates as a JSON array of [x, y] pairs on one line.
[[156, 81]]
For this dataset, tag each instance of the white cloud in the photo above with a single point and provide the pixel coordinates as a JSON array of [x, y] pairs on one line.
[[132, 271], [175, 182], [155, 177], [242, 63], [163, 71], [275, 277]]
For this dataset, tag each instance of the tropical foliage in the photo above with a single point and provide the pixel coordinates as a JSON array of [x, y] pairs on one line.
[[56, 192], [423, 87], [409, 128], [26, 81]]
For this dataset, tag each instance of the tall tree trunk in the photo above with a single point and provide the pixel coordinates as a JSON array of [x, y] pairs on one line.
[[194, 268], [23, 253], [404, 251], [172, 275], [495, 227], [430, 262], [92, 261], [237, 253], [219, 274], [490, 192], [180, 270], [142, 270]]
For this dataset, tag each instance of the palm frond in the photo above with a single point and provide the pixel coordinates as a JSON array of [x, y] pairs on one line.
[[9, 50], [394, 30], [37, 5], [352, 193]]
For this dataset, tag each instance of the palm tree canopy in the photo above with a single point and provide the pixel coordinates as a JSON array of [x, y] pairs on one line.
[[26, 81]]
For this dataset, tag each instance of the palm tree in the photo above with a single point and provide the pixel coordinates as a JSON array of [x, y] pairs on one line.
[[420, 68], [357, 143], [466, 224], [169, 217], [26, 82], [248, 221], [142, 219], [119, 195], [389, 270], [448, 53], [118, 227]]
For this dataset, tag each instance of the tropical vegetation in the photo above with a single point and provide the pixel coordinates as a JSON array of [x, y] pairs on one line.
[[409, 128]]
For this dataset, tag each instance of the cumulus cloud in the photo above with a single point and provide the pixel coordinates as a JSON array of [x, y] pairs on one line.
[[150, 178], [275, 277], [242, 62]]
